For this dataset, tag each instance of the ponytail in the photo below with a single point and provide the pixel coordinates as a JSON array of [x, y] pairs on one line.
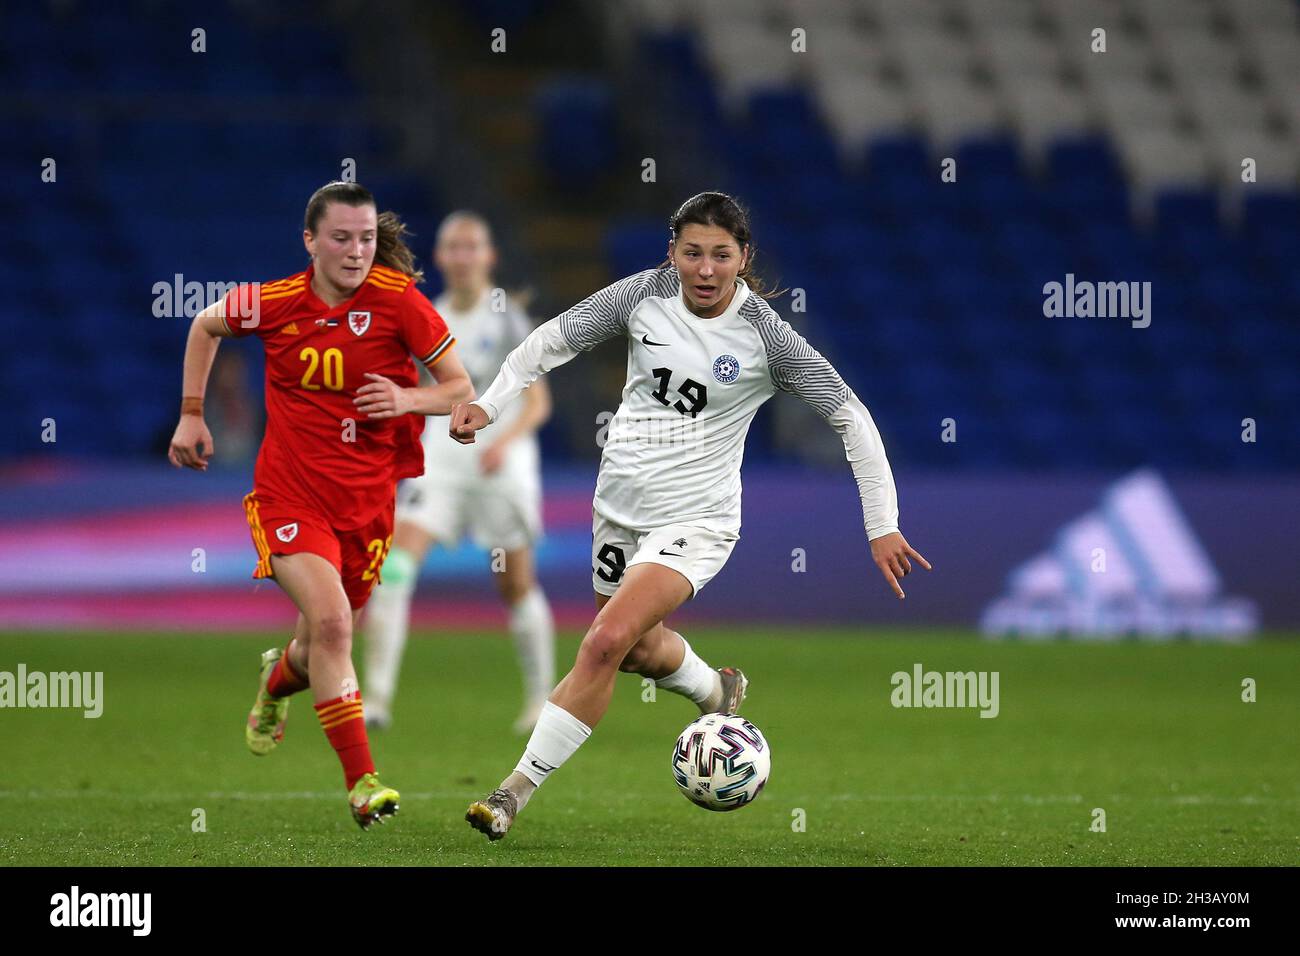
[[391, 249]]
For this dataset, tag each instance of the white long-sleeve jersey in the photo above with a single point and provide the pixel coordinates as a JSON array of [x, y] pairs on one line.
[[673, 450]]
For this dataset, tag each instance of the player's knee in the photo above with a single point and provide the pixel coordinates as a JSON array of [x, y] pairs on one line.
[[514, 590], [607, 644], [331, 632]]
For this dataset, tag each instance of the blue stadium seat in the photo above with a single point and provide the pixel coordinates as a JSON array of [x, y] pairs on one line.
[[579, 135]]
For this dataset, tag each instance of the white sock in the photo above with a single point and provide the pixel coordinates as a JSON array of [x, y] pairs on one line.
[[387, 622], [695, 680], [533, 630], [555, 738]]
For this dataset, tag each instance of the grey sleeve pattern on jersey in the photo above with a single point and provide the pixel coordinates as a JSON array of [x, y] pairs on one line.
[[604, 315], [795, 366]]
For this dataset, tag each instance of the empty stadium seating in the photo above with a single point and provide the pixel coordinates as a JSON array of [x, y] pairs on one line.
[[148, 186], [1115, 166]]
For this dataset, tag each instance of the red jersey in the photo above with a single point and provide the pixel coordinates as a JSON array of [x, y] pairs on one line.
[[319, 450]]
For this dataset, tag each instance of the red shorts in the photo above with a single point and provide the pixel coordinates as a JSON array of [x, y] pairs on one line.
[[356, 553]]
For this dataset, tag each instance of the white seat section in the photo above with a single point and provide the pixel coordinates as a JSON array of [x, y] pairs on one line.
[[831, 54], [1277, 159], [745, 58], [998, 15], [951, 109], [909, 14], [735, 11], [857, 111], [1127, 55], [1121, 101], [1018, 53], [836, 14], [1189, 54], [1215, 104], [1159, 15], [1183, 98], [1044, 111], [1157, 159], [1073, 23], [1262, 16], [1289, 110], [1075, 20], [929, 52], [1276, 58]]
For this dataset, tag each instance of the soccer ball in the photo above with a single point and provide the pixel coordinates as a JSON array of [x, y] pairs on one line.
[[721, 762]]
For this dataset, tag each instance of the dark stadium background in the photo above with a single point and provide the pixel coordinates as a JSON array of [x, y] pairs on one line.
[[927, 295]]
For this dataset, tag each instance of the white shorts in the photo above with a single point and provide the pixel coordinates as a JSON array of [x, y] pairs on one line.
[[696, 553], [496, 514]]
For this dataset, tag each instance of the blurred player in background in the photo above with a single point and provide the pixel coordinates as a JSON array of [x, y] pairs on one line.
[[705, 350], [493, 490], [343, 419]]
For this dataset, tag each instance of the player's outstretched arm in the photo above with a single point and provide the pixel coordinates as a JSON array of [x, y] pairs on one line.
[[191, 444], [545, 348]]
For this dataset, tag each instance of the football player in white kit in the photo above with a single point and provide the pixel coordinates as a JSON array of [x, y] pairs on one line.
[[493, 491], [705, 350]]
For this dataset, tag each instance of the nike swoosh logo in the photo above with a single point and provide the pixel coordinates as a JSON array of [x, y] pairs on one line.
[[672, 554], [542, 767], [645, 340]]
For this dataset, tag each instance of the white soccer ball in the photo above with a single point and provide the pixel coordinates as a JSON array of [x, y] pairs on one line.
[[721, 762]]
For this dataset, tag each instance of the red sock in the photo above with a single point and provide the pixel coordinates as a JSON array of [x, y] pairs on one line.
[[284, 680], [344, 725]]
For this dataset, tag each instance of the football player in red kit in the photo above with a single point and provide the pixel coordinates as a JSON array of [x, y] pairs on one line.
[[344, 415]]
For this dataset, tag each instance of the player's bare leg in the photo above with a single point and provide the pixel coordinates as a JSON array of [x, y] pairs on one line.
[[667, 658], [533, 631], [315, 587], [388, 620], [648, 594]]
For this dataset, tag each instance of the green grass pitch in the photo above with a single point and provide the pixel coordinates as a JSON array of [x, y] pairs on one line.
[[1155, 735]]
